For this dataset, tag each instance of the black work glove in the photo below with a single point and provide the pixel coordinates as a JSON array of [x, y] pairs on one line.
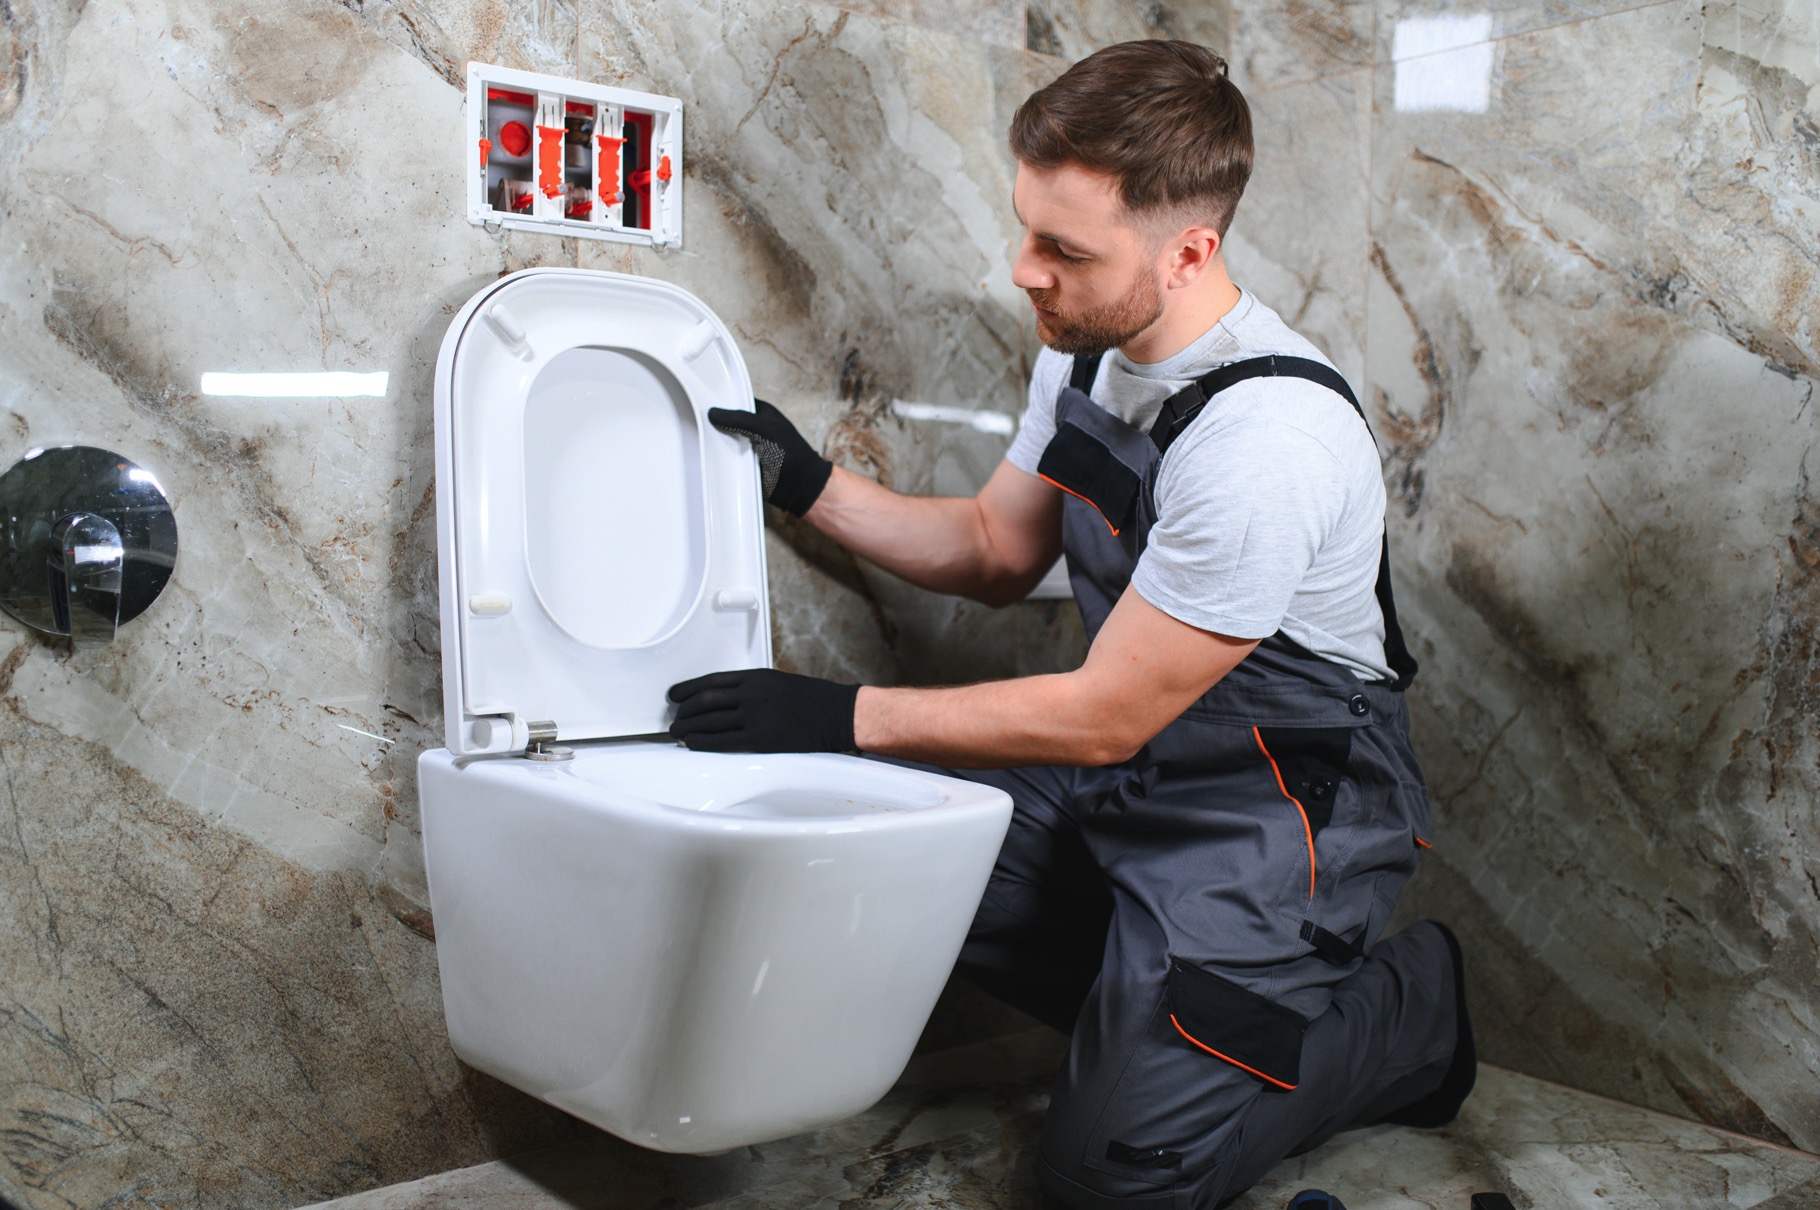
[[763, 710], [792, 472]]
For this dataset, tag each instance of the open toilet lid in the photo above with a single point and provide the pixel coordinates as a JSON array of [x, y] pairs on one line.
[[598, 540]]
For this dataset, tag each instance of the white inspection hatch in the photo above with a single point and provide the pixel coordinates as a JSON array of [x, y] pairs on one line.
[[569, 158]]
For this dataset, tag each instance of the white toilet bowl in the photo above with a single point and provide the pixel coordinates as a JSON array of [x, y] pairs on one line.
[[692, 951]]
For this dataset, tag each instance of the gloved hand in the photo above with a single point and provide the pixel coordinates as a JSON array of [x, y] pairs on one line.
[[763, 710], [792, 472]]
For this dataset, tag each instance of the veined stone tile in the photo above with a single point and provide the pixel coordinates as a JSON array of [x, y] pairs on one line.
[[1540, 1144], [1074, 29], [531, 35], [1734, 222], [1298, 239], [1456, 24], [941, 1096], [296, 645], [849, 216], [33, 39], [994, 22], [1591, 359], [189, 1021], [1804, 1196], [889, 10], [204, 807], [1292, 41], [864, 163], [1780, 35]]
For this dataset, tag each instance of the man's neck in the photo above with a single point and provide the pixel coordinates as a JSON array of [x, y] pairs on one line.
[[1184, 320]]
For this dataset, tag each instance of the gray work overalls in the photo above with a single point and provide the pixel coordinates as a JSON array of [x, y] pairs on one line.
[[1201, 919]]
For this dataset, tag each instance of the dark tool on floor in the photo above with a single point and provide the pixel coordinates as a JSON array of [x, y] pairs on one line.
[[1491, 1201], [1314, 1199]]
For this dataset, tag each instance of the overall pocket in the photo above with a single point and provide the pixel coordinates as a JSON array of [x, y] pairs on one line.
[[1310, 763], [1236, 1025], [1207, 1049], [1313, 770]]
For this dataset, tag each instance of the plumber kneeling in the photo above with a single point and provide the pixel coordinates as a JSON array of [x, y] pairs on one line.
[[1216, 812]]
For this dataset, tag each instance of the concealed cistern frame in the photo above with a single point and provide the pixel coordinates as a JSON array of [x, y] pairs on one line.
[[665, 114], [469, 734]]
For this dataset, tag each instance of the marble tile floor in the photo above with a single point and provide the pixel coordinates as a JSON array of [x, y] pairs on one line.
[[957, 1133]]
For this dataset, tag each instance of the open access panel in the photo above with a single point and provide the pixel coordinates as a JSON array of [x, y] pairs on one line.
[[570, 158]]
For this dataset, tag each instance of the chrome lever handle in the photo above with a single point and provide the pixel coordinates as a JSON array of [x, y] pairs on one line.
[[87, 542], [86, 558]]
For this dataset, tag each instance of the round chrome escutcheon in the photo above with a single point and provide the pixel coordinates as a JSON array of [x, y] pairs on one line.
[[87, 541]]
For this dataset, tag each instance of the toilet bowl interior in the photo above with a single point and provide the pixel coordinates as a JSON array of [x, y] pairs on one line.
[[776, 786]]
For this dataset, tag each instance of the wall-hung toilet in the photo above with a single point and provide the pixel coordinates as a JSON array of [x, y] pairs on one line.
[[692, 951]]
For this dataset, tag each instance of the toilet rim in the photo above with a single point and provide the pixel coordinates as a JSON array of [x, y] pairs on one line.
[[957, 797]]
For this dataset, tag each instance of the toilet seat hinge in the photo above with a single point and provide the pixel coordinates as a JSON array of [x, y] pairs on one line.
[[543, 745]]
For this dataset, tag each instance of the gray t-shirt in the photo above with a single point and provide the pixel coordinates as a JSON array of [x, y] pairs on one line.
[[1270, 506]]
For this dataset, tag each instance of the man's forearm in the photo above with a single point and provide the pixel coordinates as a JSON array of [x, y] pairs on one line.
[[938, 543], [1144, 668], [1035, 720]]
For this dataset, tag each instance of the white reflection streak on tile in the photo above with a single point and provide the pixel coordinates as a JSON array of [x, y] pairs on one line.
[[1443, 63], [357, 731], [333, 384], [978, 418]]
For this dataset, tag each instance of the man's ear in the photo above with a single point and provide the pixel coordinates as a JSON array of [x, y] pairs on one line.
[[1190, 253]]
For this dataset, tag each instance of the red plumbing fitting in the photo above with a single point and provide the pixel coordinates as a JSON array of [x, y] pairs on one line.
[[515, 138], [549, 159], [609, 167]]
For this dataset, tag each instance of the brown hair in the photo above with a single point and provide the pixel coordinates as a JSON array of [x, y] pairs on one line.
[[1159, 117]]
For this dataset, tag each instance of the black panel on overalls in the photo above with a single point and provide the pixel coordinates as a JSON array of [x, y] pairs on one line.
[[1188, 914]]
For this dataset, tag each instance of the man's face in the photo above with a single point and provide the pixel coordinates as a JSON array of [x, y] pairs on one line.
[[1090, 271]]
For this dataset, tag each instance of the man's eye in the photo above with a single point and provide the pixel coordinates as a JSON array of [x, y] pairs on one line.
[[1073, 260]]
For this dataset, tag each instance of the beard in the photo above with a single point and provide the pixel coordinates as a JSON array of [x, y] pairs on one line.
[[1092, 332]]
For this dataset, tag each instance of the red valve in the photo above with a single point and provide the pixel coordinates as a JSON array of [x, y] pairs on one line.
[[515, 138]]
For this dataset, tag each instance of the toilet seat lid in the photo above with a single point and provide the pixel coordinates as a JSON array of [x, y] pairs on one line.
[[598, 539]]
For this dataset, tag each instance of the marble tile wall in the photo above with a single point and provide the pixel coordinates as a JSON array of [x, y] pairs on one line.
[[1583, 306], [217, 975], [1584, 317]]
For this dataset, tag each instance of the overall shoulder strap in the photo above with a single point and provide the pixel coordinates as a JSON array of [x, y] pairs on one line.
[[1180, 410], [1085, 370]]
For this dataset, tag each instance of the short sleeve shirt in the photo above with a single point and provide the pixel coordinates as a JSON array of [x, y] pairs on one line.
[[1270, 506]]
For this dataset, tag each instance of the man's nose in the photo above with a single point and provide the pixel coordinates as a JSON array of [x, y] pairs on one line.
[[1027, 272]]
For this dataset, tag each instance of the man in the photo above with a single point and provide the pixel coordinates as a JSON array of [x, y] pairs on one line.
[[1216, 812]]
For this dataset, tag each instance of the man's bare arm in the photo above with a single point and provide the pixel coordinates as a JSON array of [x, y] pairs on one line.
[[993, 547], [1144, 669]]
